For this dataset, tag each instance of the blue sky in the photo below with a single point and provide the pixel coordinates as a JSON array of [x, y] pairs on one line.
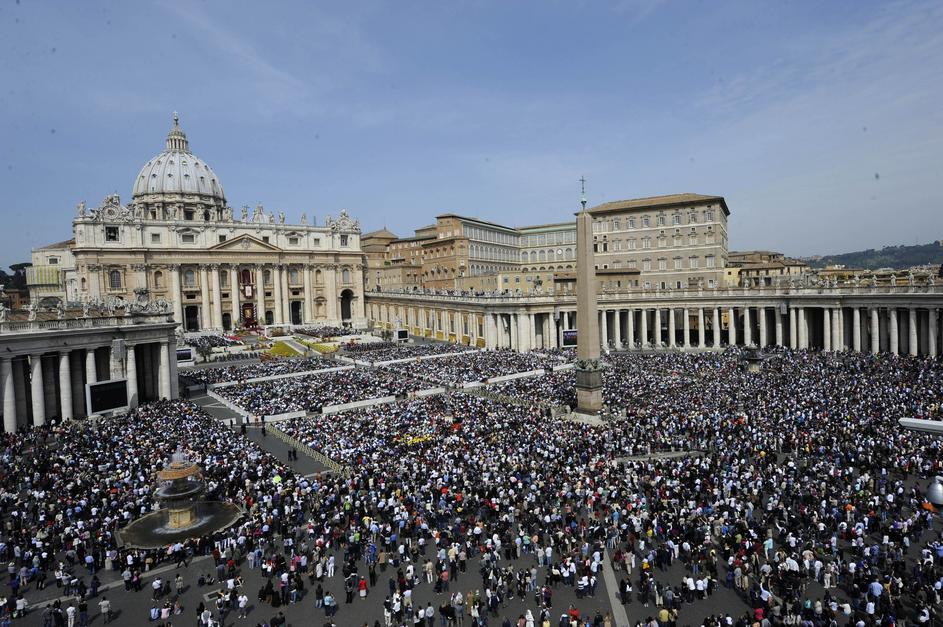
[[820, 123]]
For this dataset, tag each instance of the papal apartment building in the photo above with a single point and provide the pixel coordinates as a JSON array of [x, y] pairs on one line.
[[663, 242]]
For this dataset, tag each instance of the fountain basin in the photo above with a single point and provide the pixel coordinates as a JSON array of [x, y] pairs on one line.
[[169, 525]]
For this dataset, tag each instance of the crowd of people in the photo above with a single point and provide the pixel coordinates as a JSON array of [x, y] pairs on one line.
[[800, 494], [790, 496], [474, 367], [268, 368], [324, 332], [311, 392], [211, 341], [385, 351]]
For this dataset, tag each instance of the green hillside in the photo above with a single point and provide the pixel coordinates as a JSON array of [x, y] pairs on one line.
[[887, 257]]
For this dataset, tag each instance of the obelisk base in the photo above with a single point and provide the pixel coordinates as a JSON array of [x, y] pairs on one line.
[[588, 389]]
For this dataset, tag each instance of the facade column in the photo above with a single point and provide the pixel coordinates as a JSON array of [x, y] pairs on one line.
[[856, 329], [747, 328], [892, 330], [643, 324], [793, 329], [687, 328], [217, 298], [260, 295], [177, 295], [532, 323], [671, 328], [132, 375], [604, 330], [286, 297], [330, 292], [560, 322], [36, 389], [657, 330], [277, 294], [933, 332], [778, 321], [236, 312], [65, 386], [732, 327], [309, 296], [205, 319], [617, 328], [164, 369], [761, 318], [701, 332], [913, 348], [875, 331], [491, 331], [9, 395]]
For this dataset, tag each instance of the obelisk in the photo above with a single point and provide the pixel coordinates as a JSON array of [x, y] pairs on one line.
[[588, 373]]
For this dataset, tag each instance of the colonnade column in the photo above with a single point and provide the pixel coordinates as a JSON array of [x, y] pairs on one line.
[[856, 329], [671, 327], [65, 386], [205, 321], [912, 346], [36, 389], [617, 328], [826, 329], [164, 372], [701, 336], [892, 330], [778, 321], [604, 330], [285, 303], [91, 370], [687, 328], [803, 329], [217, 298], [837, 342], [793, 330], [747, 327], [732, 327], [656, 340], [761, 317], [716, 329], [875, 331], [176, 293], [932, 335], [9, 395], [630, 328], [132, 376], [643, 339]]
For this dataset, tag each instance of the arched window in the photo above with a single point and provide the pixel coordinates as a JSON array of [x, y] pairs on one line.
[[345, 276], [84, 284], [543, 255], [317, 277], [114, 279], [189, 278], [293, 276], [158, 280]]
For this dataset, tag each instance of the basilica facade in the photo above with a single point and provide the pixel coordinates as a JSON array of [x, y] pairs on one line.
[[179, 239]]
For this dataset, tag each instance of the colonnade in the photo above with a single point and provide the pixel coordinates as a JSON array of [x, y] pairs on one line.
[[39, 384], [909, 330], [893, 326]]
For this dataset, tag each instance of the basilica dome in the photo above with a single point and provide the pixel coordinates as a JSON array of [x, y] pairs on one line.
[[178, 172]]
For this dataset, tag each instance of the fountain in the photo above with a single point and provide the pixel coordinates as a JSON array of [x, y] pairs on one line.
[[183, 514]]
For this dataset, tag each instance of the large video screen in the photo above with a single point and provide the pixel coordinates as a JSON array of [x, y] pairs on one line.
[[402, 335], [106, 396], [184, 354], [569, 338]]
